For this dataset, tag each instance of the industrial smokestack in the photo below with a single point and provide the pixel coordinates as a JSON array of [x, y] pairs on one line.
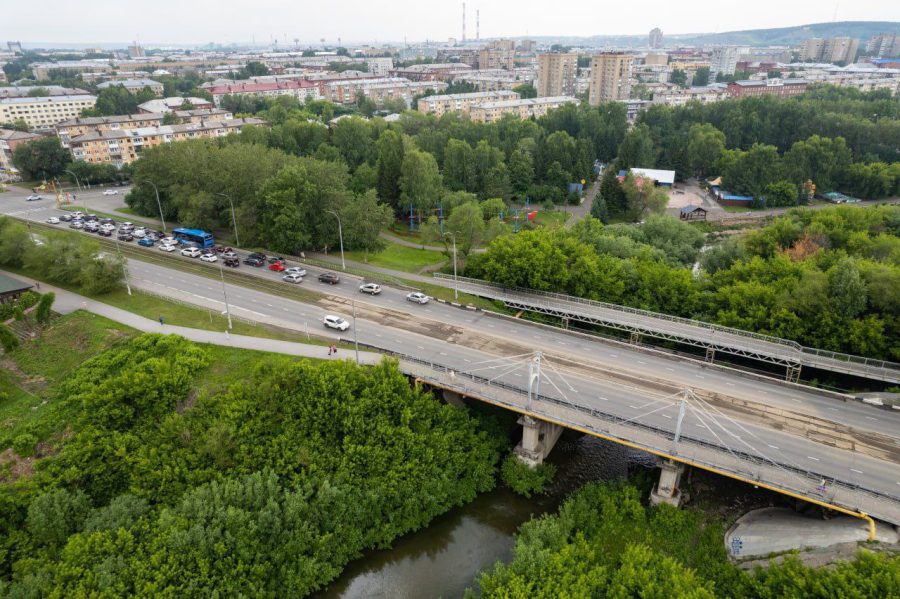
[[464, 23], [477, 23]]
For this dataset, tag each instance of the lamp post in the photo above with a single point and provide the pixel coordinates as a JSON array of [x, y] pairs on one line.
[[340, 237], [78, 183], [355, 338], [158, 203], [124, 264], [224, 293], [455, 279], [237, 240]]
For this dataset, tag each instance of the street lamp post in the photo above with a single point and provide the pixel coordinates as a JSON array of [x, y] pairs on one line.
[[158, 204], [237, 240], [355, 338], [340, 237], [224, 293], [455, 279], [124, 264], [78, 183]]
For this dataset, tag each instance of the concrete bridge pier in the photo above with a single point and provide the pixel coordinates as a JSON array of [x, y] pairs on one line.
[[667, 490], [538, 438]]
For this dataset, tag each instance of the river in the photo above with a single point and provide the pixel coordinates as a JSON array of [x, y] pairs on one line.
[[443, 559]]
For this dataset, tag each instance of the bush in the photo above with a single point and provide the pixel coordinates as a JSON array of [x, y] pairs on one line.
[[523, 479], [42, 314], [8, 339], [24, 444]]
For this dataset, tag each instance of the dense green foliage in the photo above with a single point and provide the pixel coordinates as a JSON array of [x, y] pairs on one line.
[[116, 99], [605, 543], [826, 278], [265, 485], [839, 138], [524, 480], [41, 159]]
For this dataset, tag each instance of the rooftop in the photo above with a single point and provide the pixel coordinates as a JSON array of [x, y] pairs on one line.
[[530, 102], [139, 83], [472, 96], [11, 285], [51, 99]]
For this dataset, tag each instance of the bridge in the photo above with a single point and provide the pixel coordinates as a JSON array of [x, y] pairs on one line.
[[682, 429], [710, 337]]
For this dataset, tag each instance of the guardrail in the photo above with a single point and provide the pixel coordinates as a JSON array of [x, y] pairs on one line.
[[526, 294], [450, 378]]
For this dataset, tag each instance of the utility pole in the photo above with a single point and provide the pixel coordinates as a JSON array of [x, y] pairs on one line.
[[124, 264], [237, 241], [340, 237], [78, 183], [455, 278], [158, 204], [224, 293], [355, 338]]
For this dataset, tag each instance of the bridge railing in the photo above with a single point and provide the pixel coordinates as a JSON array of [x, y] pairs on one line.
[[523, 294], [699, 451]]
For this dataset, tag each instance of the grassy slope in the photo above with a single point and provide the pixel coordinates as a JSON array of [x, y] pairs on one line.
[[400, 257]]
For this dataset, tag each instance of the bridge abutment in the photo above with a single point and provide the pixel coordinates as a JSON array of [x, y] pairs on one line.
[[667, 489], [538, 439]]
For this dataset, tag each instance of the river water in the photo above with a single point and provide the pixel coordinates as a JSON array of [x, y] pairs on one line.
[[443, 559]]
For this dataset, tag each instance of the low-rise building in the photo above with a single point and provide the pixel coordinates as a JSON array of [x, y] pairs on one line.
[[135, 86], [677, 96], [446, 71], [163, 105], [9, 141], [27, 91], [42, 70], [378, 90], [43, 112], [439, 105], [490, 112], [778, 87], [298, 88], [67, 130], [124, 146]]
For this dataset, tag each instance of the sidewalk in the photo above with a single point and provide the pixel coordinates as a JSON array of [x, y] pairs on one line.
[[68, 302]]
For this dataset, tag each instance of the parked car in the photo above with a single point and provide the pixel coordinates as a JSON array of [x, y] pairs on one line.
[[330, 278], [274, 259], [258, 255], [417, 297], [168, 247], [252, 261], [65, 217], [229, 254], [78, 214], [209, 257], [107, 221], [232, 262], [90, 218], [91, 226], [277, 266], [127, 226], [111, 192], [34, 197], [295, 270], [191, 252], [147, 243], [153, 235], [105, 233], [168, 241], [336, 322], [370, 288], [125, 236], [76, 224], [53, 220], [140, 232], [292, 279]]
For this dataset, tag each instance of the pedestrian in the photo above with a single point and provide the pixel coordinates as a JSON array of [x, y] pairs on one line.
[[160, 320], [334, 349], [37, 284]]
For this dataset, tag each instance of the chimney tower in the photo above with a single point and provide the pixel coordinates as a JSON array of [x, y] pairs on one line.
[[464, 23], [478, 24]]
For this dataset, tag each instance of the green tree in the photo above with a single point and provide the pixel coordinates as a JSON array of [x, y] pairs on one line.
[[525, 91], [8, 339], [55, 515], [363, 218], [353, 138], [521, 170], [637, 149], [42, 312], [701, 77], [705, 147], [420, 180], [611, 191], [781, 193], [459, 166], [678, 77], [390, 162], [820, 159], [846, 289], [753, 170], [42, 158]]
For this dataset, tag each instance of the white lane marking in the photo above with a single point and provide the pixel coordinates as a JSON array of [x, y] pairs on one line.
[[855, 470], [270, 305], [812, 458], [700, 376], [604, 399], [613, 355], [419, 347], [670, 369], [443, 353], [378, 335], [491, 326], [833, 409], [286, 309], [871, 418], [642, 362], [666, 416], [632, 406], [466, 360], [561, 343], [700, 425], [730, 384]]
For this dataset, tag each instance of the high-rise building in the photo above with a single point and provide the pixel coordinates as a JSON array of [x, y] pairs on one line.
[[526, 46], [833, 49], [610, 77], [884, 45], [655, 38], [723, 61], [556, 74], [498, 54]]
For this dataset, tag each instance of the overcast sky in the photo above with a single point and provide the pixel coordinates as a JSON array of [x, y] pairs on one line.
[[224, 21]]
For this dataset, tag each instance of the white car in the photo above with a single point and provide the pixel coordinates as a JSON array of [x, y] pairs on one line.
[[126, 226], [295, 270], [336, 322], [76, 224], [209, 257], [33, 198], [111, 192], [229, 255], [168, 241], [191, 252], [419, 298], [139, 232], [78, 214], [53, 220], [168, 247], [370, 288], [292, 278]]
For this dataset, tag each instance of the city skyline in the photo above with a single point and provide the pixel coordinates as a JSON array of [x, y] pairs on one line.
[[354, 21]]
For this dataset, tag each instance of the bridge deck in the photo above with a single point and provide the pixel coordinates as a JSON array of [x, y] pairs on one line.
[[682, 330]]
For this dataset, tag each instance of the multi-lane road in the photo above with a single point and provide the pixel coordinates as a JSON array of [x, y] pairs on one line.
[[632, 383]]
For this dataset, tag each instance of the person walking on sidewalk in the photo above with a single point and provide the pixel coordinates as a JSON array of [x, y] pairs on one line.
[[160, 320]]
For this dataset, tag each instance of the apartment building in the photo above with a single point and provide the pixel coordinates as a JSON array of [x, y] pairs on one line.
[[134, 86], [379, 67], [834, 49], [778, 87], [440, 105], [72, 128], [498, 54], [9, 141], [42, 70], [298, 88], [655, 38], [610, 77], [378, 90], [884, 45], [723, 61], [43, 112], [124, 146], [677, 96], [491, 112], [445, 71], [163, 105], [25, 91], [556, 74]]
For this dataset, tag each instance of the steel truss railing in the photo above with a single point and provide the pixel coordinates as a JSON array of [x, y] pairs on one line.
[[691, 332]]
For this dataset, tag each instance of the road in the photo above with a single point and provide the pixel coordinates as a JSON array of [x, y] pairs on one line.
[[630, 382]]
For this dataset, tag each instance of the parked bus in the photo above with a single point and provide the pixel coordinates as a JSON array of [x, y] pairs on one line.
[[195, 237]]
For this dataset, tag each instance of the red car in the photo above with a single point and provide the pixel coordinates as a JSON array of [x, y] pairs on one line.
[[277, 266]]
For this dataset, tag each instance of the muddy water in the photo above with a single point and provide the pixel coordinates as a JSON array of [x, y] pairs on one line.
[[444, 559]]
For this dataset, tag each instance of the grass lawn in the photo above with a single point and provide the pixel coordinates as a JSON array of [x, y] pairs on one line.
[[740, 209], [400, 257]]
